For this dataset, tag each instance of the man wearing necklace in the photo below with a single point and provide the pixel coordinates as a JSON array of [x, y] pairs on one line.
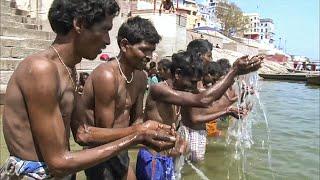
[[40, 98], [114, 92]]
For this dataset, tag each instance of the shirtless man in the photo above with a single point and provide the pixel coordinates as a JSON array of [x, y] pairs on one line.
[[114, 92], [41, 92], [166, 5], [194, 119], [162, 93]]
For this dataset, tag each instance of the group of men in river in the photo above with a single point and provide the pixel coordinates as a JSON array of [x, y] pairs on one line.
[[43, 106]]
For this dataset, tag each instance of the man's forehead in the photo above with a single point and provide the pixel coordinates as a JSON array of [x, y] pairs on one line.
[[146, 45]]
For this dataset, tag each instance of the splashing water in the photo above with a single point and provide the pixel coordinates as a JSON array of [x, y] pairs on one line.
[[240, 131], [180, 161]]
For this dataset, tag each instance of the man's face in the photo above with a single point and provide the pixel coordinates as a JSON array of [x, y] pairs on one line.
[[91, 41], [163, 73], [85, 77], [210, 79], [138, 55], [187, 83], [207, 57]]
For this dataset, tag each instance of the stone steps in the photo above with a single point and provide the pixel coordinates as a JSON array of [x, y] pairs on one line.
[[14, 24], [9, 64], [5, 4], [16, 52], [24, 42], [17, 18], [26, 33], [5, 77]]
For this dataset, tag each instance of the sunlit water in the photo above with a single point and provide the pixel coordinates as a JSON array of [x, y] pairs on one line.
[[287, 149], [292, 110]]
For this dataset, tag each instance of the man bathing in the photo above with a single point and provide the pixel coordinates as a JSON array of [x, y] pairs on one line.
[[41, 94], [114, 92]]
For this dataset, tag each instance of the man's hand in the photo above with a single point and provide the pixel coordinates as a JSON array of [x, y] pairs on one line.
[[158, 140], [236, 113], [153, 125], [181, 147], [244, 65]]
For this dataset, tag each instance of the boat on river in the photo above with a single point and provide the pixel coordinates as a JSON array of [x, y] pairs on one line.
[[313, 79], [287, 76]]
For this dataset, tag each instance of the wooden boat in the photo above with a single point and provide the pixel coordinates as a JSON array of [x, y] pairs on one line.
[[290, 76], [313, 79]]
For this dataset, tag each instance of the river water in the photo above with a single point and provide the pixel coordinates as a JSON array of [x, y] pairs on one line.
[[293, 115]]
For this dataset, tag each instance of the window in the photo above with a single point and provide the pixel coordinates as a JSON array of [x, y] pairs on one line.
[[261, 37], [265, 24], [255, 24], [266, 30], [266, 36], [261, 30]]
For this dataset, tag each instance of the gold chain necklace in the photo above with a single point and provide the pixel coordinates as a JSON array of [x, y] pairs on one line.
[[66, 67], [122, 74]]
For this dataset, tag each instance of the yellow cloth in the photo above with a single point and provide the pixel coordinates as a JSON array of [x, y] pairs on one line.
[[212, 129]]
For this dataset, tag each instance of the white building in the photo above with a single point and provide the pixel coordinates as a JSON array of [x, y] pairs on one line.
[[260, 29], [253, 31], [207, 10], [267, 30]]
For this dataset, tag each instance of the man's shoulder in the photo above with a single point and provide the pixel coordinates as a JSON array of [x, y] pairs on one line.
[[35, 64], [104, 70]]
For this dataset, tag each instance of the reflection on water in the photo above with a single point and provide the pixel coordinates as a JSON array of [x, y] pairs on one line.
[[293, 113]]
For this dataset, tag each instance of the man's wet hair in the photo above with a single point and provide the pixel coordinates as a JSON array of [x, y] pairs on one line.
[[165, 63], [224, 65], [63, 12], [136, 30], [187, 64], [212, 68], [201, 46]]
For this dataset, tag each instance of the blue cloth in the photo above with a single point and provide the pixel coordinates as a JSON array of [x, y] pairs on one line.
[[16, 166], [153, 80], [154, 167]]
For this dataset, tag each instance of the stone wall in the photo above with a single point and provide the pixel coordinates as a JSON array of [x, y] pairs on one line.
[[191, 35], [172, 29], [241, 48]]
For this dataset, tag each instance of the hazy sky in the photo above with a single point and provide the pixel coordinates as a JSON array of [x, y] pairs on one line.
[[296, 22]]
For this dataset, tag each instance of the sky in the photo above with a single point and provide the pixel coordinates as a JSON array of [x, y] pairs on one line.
[[296, 23]]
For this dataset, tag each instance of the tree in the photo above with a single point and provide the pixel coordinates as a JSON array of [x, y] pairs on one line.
[[231, 18]]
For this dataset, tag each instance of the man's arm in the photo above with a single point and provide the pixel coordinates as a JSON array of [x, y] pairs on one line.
[[104, 93], [136, 113], [40, 87], [104, 89], [160, 92]]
